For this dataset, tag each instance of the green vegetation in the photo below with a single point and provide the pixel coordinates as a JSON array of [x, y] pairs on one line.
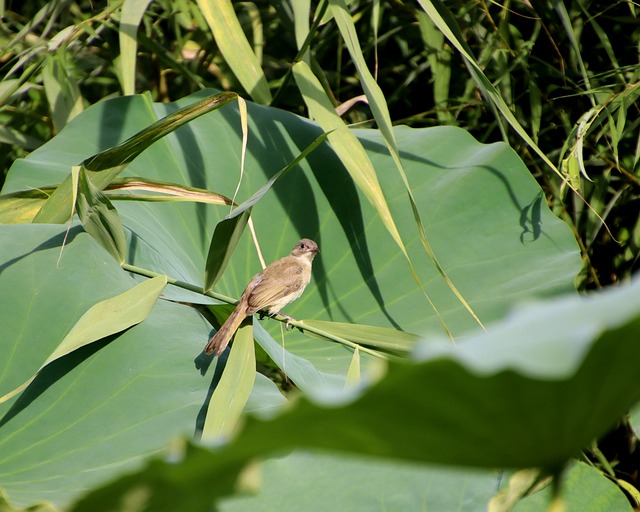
[[489, 160]]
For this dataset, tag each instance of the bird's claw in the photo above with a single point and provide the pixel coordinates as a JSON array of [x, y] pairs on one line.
[[287, 324]]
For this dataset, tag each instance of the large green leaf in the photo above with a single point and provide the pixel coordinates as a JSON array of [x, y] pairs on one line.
[[484, 214], [105, 318], [98, 410]]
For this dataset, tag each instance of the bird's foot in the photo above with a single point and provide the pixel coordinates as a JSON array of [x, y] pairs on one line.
[[287, 324]]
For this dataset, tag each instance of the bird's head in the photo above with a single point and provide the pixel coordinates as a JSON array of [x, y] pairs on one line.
[[305, 247]]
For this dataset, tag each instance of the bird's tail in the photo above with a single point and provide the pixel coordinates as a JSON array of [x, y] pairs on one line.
[[220, 340]]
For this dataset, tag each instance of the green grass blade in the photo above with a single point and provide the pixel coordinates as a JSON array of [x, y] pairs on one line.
[[353, 157], [353, 378], [438, 12], [58, 208], [15, 137], [605, 41], [565, 19], [130, 17], [304, 36], [440, 64], [21, 207], [235, 48], [227, 233], [373, 92], [345, 144], [280, 174], [592, 119], [115, 159], [257, 27], [163, 191], [232, 392], [535, 104], [380, 111], [375, 26], [61, 89], [301, 11]]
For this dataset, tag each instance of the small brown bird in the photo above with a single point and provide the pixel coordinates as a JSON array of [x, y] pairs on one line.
[[279, 284]]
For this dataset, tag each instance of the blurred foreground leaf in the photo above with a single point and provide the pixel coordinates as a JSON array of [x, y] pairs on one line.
[[532, 392]]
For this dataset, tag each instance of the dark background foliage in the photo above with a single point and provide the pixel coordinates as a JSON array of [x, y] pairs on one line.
[[550, 65]]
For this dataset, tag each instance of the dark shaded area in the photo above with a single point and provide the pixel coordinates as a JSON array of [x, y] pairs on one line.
[[620, 448]]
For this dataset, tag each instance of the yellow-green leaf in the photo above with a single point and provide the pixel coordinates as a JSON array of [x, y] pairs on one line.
[[353, 373], [106, 165], [345, 144], [355, 159], [372, 336], [232, 392], [130, 16], [223, 243], [235, 48]]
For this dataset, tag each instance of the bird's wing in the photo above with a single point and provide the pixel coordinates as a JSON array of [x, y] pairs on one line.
[[278, 282]]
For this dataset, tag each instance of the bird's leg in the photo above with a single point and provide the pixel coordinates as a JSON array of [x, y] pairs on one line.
[[287, 326]]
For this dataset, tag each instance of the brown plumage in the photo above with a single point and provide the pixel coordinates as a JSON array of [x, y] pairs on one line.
[[279, 284]]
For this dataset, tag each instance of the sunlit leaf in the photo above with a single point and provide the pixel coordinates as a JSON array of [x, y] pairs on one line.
[[130, 17], [236, 49]]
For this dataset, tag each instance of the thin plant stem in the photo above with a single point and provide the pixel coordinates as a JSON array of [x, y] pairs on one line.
[[299, 324]]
